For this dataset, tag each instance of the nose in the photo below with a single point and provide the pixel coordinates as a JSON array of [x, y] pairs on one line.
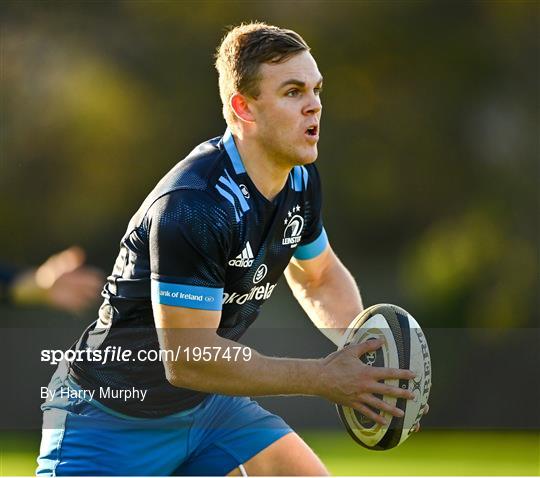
[[314, 105]]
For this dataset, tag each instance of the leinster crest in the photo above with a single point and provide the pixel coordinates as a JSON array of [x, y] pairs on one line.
[[294, 224]]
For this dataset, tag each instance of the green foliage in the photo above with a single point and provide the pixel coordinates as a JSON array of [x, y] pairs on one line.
[[429, 151], [472, 271]]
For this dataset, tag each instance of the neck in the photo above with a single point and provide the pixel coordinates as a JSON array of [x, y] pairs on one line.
[[268, 175]]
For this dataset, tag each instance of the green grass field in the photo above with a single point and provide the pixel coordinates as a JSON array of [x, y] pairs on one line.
[[428, 453]]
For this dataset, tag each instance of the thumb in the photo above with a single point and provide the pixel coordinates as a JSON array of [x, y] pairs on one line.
[[70, 259], [367, 346]]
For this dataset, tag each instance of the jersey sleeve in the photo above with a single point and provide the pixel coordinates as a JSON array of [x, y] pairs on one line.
[[189, 241], [314, 240]]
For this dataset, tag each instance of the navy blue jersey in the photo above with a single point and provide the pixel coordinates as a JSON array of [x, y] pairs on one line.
[[204, 238]]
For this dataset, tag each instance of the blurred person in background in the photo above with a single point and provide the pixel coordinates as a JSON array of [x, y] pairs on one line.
[[62, 282]]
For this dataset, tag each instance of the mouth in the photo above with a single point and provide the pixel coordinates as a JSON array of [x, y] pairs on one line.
[[313, 131]]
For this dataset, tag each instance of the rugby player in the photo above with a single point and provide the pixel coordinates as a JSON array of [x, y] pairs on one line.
[[198, 260]]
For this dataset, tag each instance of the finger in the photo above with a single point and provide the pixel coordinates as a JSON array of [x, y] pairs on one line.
[[369, 413], [67, 260], [426, 409], [417, 428], [381, 373], [366, 347], [72, 257], [382, 405], [388, 390]]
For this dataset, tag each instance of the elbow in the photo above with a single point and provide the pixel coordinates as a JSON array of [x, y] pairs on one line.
[[312, 284], [173, 378], [304, 285], [182, 378], [316, 281]]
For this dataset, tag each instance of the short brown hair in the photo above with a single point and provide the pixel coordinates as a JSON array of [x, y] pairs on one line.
[[241, 52]]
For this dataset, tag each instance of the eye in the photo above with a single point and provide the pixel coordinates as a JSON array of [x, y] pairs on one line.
[[317, 90], [293, 93]]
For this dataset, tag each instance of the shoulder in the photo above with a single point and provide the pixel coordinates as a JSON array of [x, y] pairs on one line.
[[193, 186], [189, 208], [196, 171]]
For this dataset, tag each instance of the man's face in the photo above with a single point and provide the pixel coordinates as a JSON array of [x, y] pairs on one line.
[[287, 111]]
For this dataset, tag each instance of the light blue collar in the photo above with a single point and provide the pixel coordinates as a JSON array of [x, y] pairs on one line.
[[232, 151]]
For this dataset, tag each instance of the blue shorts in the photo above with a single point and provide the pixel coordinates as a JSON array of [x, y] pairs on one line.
[[83, 437]]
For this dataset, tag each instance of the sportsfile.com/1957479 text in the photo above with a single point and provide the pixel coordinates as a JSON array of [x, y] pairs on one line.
[[121, 354]]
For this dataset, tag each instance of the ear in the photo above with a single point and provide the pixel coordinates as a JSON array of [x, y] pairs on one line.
[[241, 107]]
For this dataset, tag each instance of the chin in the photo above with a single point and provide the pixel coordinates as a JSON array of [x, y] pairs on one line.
[[308, 158]]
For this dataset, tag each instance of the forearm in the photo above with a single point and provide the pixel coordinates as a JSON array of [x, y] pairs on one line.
[[332, 301], [258, 376]]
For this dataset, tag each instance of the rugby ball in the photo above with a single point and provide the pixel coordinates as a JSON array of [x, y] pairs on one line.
[[405, 347]]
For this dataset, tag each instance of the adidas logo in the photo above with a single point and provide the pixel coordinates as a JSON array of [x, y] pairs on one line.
[[244, 259]]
